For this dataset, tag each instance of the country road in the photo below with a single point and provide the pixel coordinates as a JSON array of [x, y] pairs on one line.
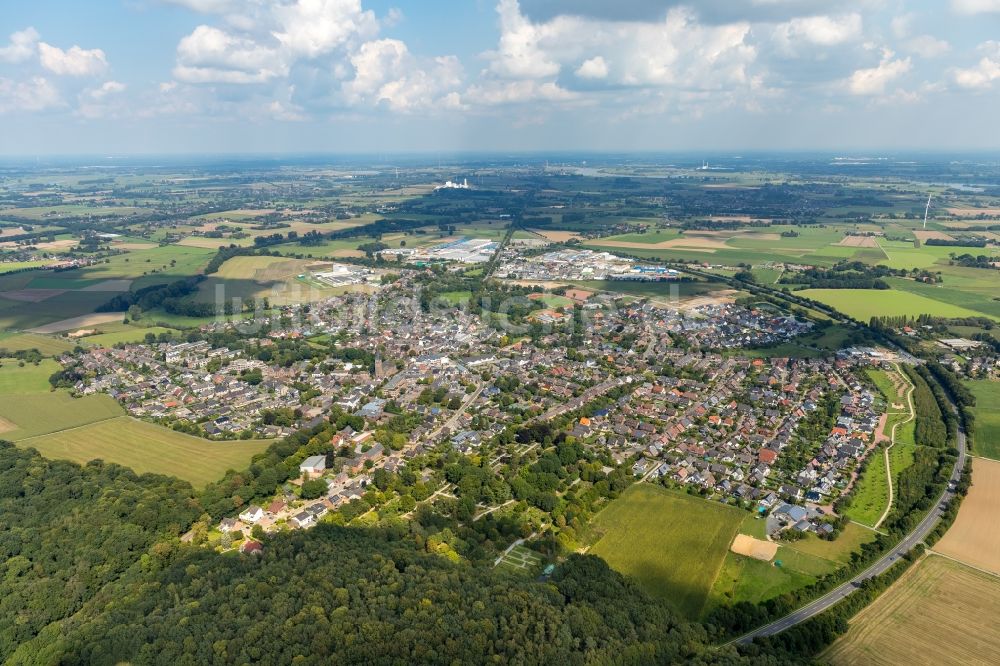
[[918, 534]]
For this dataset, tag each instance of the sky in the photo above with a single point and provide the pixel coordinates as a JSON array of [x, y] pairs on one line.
[[398, 76]]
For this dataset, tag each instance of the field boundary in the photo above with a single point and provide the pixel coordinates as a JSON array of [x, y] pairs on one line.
[[892, 443]]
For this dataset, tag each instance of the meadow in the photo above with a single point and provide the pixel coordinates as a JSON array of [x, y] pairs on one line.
[[26, 378], [987, 411], [147, 447], [863, 304], [939, 612], [672, 544], [24, 415], [45, 344]]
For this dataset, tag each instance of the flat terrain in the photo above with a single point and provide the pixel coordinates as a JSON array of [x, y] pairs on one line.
[[974, 537], [26, 378], [672, 544], [987, 411], [939, 613], [147, 447], [33, 414], [863, 304], [43, 343]]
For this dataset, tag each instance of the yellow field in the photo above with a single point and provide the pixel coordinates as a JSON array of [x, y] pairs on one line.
[[940, 612], [146, 447], [974, 537]]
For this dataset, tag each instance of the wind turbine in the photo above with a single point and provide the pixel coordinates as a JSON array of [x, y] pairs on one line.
[[927, 209]]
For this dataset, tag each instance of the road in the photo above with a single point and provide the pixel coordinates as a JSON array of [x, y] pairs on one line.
[[584, 398], [880, 566], [450, 423]]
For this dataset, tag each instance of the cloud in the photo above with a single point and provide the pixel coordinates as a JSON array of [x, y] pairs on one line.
[[927, 46], [873, 81], [676, 51], [976, 6], [387, 74], [73, 62], [594, 68], [314, 27], [210, 55], [98, 102], [818, 31], [23, 45], [986, 71], [36, 94], [495, 93]]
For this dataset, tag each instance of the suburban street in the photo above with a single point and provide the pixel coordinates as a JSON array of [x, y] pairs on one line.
[[880, 566]]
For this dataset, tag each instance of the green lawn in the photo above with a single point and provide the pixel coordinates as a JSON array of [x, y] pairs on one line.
[[673, 544], [29, 415], [146, 447], [987, 411], [863, 304]]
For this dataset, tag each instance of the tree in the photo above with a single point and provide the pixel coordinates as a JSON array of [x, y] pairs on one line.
[[313, 488]]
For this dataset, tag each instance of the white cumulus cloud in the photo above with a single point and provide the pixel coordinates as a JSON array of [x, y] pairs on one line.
[[35, 94], [594, 68], [818, 31], [873, 80], [74, 61], [22, 46], [212, 55], [984, 73], [976, 6], [387, 74]]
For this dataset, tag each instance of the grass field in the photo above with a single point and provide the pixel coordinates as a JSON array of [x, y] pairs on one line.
[[974, 538], [987, 411], [146, 447], [863, 304], [45, 344], [939, 612], [29, 415], [30, 378], [128, 335], [672, 544]]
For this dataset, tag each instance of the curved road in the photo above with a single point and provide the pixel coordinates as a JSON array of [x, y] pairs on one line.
[[846, 589]]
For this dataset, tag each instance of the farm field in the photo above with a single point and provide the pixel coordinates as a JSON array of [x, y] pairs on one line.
[[29, 378], [655, 290], [987, 411], [127, 335], [45, 344], [973, 537], [28, 415], [147, 447], [863, 304], [672, 544], [939, 612]]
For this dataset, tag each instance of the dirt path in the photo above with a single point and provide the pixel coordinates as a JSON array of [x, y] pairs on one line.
[[892, 443]]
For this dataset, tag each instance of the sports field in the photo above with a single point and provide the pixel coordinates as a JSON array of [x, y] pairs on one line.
[[863, 304], [671, 543], [146, 447], [987, 411], [27, 415], [974, 537], [939, 612]]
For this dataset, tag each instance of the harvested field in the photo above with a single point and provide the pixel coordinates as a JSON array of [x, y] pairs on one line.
[[64, 244], [858, 241], [83, 321], [556, 236], [6, 426], [758, 549], [973, 538], [939, 612], [936, 235], [110, 285], [973, 212], [31, 295]]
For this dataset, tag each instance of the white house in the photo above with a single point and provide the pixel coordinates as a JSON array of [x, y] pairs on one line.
[[252, 514]]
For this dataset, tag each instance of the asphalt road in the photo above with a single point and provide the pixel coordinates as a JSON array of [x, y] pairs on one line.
[[846, 589]]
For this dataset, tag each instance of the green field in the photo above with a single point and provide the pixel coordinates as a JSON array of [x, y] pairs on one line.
[[671, 543], [659, 290], [45, 344], [863, 304], [520, 561], [987, 411], [28, 415], [29, 378], [128, 335], [146, 447]]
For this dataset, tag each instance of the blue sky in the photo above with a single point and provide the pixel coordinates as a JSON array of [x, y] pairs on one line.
[[151, 76]]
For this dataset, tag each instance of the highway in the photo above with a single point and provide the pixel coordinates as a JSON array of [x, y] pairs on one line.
[[879, 566]]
